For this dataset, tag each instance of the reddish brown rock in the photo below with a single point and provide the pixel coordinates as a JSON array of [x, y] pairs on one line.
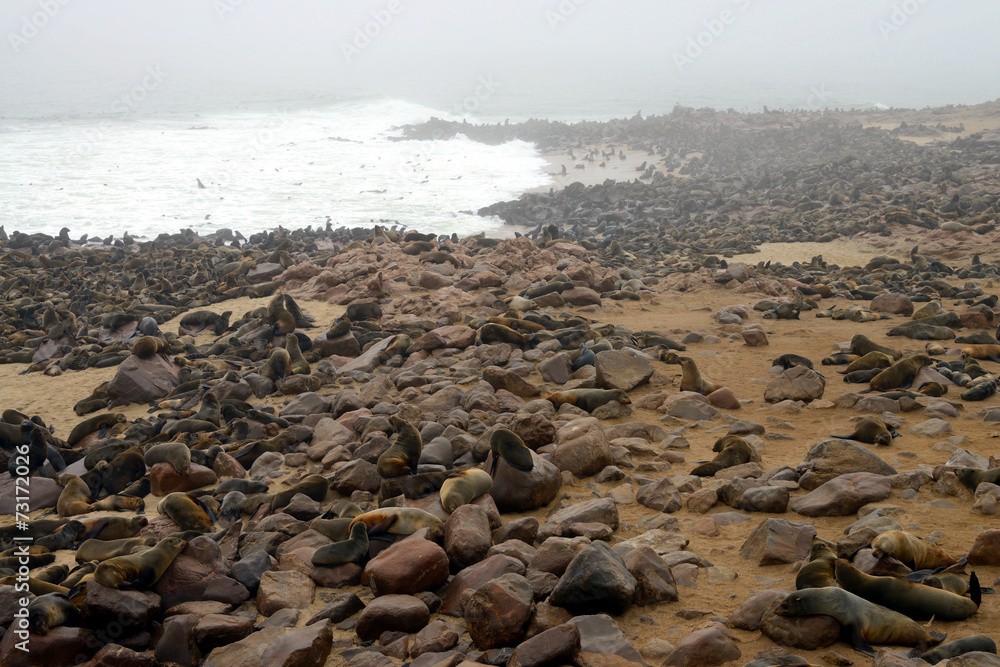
[[556, 553], [843, 495], [654, 581], [750, 613], [724, 398], [225, 465], [475, 576], [661, 496], [404, 613], [707, 647], [467, 536], [892, 302], [776, 541], [798, 383], [284, 589], [215, 630], [142, 380], [804, 632], [986, 549], [582, 448], [248, 651], [435, 638], [302, 647], [115, 655], [60, 646], [553, 646], [409, 566], [754, 337], [498, 612], [515, 490]]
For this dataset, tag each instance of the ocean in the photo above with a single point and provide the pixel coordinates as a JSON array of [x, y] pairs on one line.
[[132, 161]]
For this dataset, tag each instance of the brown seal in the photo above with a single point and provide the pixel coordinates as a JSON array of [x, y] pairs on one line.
[[118, 473], [402, 457], [352, 550], [900, 375], [990, 352], [949, 582], [973, 477], [397, 520], [691, 379], [424, 484], [818, 572], [142, 570], [913, 599], [297, 363], [64, 538], [185, 512], [588, 399], [279, 316], [52, 611], [194, 323], [177, 454], [314, 486], [732, 451], [278, 365], [508, 445], [867, 623], [113, 527], [92, 425], [75, 497], [498, 333], [105, 549], [149, 346], [464, 487], [862, 345], [873, 359], [933, 389], [911, 550], [871, 431]]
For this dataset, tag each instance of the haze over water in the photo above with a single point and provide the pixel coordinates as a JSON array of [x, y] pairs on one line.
[[110, 110]]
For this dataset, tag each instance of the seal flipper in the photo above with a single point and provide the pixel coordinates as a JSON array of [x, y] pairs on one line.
[[842, 437], [859, 642], [382, 526], [975, 592]]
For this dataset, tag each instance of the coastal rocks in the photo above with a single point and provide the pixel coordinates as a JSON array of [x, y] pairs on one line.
[[595, 579], [661, 496], [282, 590], [515, 490], [828, 459], [707, 647], [142, 380], [617, 370], [402, 613], [776, 541], [843, 495], [798, 383], [892, 303], [407, 567], [497, 614], [582, 448]]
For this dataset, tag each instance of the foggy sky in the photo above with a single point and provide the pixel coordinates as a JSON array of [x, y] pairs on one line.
[[431, 48]]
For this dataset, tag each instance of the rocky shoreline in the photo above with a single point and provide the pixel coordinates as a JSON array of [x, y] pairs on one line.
[[590, 368]]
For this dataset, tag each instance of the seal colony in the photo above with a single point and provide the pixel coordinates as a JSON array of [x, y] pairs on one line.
[[515, 421]]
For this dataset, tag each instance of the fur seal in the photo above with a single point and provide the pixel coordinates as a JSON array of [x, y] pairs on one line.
[[862, 345], [92, 425], [787, 361], [52, 611], [871, 431], [338, 529], [147, 347], [932, 389], [396, 520], [464, 487], [921, 331], [498, 333], [914, 600], [369, 310], [973, 477], [900, 375], [194, 323], [185, 512], [278, 365], [732, 451], [314, 486], [866, 622], [246, 486], [980, 643], [177, 454], [139, 571], [424, 484], [104, 549], [404, 454], [873, 359], [911, 550], [279, 317], [121, 471], [75, 497], [588, 399], [351, 550], [297, 363], [508, 445], [113, 527], [860, 377], [949, 582], [980, 391], [691, 379], [839, 359], [64, 538], [818, 572]]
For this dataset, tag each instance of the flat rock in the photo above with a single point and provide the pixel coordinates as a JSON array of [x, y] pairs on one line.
[[843, 495], [618, 370], [582, 448], [776, 541], [403, 613], [798, 383], [707, 647]]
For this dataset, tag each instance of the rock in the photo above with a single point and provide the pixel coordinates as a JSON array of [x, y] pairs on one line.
[[164, 480], [556, 369], [618, 370], [342, 346], [245, 652], [524, 529], [514, 490], [661, 496], [248, 570], [306, 403], [770, 499], [498, 612], [301, 647], [581, 296], [776, 541], [356, 475], [931, 427], [803, 632], [342, 607], [893, 303], [60, 646], [751, 612], [986, 549], [556, 645], [600, 634], [115, 655], [475, 576], [654, 580], [283, 589], [691, 408], [843, 495], [177, 644], [142, 380], [709, 646], [724, 398], [798, 383], [435, 638], [501, 378], [556, 553], [214, 630], [130, 609], [582, 448], [467, 536], [410, 566], [595, 579], [404, 613], [754, 337], [600, 510], [535, 429], [831, 458]]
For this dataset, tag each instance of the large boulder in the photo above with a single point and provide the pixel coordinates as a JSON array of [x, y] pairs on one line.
[[582, 448], [798, 383], [515, 490], [618, 370], [843, 495], [142, 380]]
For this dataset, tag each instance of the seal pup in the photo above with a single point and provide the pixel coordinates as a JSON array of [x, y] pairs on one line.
[[862, 345], [910, 550], [732, 451], [990, 352], [142, 570], [177, 454], [64, 538], [508, 445], [52, 611], [104, 549], [980, 643], [787, 361], [866, 622], [691, 379], [912, 599], [404, 454], [424, 484], [818, 572], [872, 360], [75, 497], [185, 512], [352, 550], [588, 399], [900, 375], [871, 431], [464, 487]]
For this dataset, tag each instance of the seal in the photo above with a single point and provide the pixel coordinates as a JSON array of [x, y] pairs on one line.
[[352, 550], [194, 323], [185, 512], [867, 623], [871, 431], [177, 454], [404, 454], [910, 550], [922, 331], [338, 529], [64, 538], [104, 549], [973, 477], [113, 527], [498, 333], [839, 359], [873, 359], [787, 361], [148, 347], [980, 643], [691, 379], [508, 445], [297, 363], [278, 365], [818, 572], [424, 484], [75, 497], [949, 582], [279, 317], [933, 389], [464, 487], [397, 520], [914, 600], [862, 345], [900, 375], [142, 570], [990, 352], [369, 310], [92, 425], [732, 451], [314, 486], [588, 399], [246, 486], [979, 391], [860, 377], [122, 470], [52, 611]]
